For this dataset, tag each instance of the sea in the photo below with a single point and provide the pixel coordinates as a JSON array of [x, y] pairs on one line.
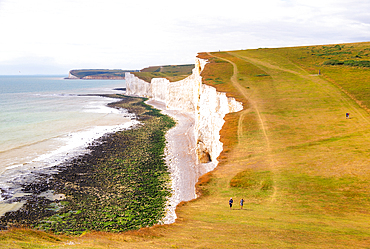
[[45, 120]]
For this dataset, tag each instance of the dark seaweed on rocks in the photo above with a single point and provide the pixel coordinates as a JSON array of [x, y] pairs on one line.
[[122, 184]]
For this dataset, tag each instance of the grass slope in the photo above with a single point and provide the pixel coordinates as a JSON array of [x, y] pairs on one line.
[[80, 73], [170, 72], [301, 166]]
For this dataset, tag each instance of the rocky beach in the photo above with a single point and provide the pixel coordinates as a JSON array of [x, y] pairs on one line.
[[121, 184]]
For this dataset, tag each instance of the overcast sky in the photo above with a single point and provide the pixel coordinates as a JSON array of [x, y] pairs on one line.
[[54, 36]]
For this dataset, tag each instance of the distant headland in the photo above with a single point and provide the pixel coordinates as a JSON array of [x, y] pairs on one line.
[[171, 72], [99, 74]]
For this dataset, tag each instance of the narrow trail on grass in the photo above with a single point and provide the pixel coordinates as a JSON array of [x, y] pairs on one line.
[[247, 96], [240, 124]]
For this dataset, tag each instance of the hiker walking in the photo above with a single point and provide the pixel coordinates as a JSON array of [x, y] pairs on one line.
[[241, 203], [231, 202], [347, 115]]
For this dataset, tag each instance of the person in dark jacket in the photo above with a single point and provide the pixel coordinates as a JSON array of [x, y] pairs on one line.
[[231, 202]]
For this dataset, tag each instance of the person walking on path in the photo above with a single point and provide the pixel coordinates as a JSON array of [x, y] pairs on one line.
[[231, 202], [241, 203]]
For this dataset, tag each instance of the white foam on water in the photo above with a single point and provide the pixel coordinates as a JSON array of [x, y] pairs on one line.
[[94, 107], [75, 144], [10, 207], [45, 121], [20, 163]]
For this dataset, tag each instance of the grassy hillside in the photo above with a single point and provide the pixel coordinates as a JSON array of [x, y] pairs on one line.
[[81, 73], [170, 72], [301, 166]]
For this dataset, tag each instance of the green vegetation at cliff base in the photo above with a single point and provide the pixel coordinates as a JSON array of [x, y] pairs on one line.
[[122, 184]]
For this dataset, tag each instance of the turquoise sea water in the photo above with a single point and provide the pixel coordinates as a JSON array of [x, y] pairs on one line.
[[43, 120]]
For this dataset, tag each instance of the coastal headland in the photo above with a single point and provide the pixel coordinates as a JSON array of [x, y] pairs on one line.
[[301, 166], [171, 72], [98, 74]]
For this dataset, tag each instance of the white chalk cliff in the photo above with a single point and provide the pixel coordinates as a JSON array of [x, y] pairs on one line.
[[205, 105], [190, 95]]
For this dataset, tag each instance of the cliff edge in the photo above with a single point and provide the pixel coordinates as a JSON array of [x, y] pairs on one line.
[[190, 95]]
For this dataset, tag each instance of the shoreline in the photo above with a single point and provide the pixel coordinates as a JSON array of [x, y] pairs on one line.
[[180, 158], [76, 179], [71, 145], [20, 190], [45, 154]]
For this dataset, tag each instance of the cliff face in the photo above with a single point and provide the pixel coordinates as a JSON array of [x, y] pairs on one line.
[[208, 106], [71, 76]]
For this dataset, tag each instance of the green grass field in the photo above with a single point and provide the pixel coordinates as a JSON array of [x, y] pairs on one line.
[[80, 73], [301, 166], [170, 72]]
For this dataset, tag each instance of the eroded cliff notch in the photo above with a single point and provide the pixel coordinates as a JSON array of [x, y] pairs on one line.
[[203, 153]]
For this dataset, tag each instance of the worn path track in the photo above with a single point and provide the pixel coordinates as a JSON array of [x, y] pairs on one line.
[[253, 107]]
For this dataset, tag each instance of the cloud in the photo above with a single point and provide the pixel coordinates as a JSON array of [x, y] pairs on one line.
[[121, 34], [274, 23]]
